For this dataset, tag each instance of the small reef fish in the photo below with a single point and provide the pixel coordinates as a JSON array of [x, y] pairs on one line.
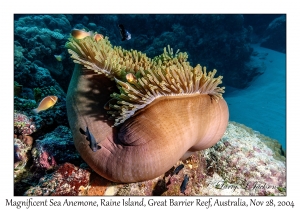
[[58, 57], [184, 184], [124, 33], [81, 34], [177, 169], [98, 37], [46, 103], [89, 136], [131, 78]]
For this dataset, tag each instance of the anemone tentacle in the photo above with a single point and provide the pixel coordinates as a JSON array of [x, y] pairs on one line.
[[168, 74]]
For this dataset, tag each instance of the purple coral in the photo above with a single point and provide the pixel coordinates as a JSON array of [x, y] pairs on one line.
[[43, 159], [46, 161]]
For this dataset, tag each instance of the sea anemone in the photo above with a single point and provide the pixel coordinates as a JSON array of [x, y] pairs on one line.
[[164, 109]]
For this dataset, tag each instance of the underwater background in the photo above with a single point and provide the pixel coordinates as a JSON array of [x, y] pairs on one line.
[[247, 50]]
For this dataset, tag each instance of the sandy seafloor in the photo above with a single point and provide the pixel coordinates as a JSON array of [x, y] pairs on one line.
[[262, 105]]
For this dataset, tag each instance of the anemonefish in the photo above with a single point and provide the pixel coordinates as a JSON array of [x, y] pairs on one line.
[[80, 34], [46, 103], [131, 78], [98, 37]]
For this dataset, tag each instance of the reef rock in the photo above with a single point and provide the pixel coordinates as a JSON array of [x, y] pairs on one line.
[[66, 180], [55, 148]]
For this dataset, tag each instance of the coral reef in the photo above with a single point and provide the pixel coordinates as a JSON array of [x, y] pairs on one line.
[[40, 93], [35, 157], [23, 128], [274, 145], [275, 35], [42, 159], [243, 159], [47, 120], [240, 164], [22, 149], [67, 180], [98, 185], [37, 39], [17, 89], [268, 30], [55, 148], [23, 125]]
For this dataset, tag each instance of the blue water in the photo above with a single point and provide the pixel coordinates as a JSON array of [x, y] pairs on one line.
[[262, 105]]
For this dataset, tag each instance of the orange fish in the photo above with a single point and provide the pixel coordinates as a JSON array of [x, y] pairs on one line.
[[130, 77], [46, 103], [80, 34], [98, 37]]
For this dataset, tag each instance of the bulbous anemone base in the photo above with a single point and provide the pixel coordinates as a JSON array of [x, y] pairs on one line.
[[149, 143]]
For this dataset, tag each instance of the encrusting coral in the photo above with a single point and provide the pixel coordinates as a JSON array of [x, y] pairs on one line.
[[165, 109]]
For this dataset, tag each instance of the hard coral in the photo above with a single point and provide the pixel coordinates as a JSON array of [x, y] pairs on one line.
[[243, 160], [23, 125], [37, 39], [44, 160], [56, 146], [21, 155], [67, 180]]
